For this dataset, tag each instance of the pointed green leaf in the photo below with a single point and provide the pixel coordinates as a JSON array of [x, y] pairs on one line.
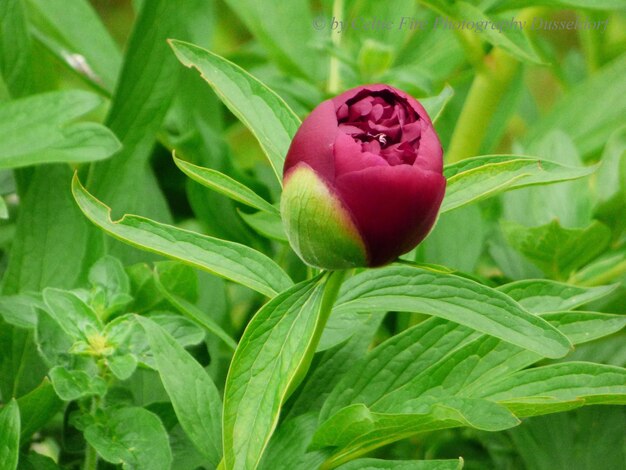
[[376, 464], [224, 184], [478, 178], [265, 367], [265, 113], [542, 295], [37, 130], [460, 300], [10, 435], [537, 391], [227, 259], [194, 396]]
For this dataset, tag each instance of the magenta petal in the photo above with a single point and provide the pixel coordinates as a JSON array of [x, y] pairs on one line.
[[430, 153], [313, 143], [349, 156], [394, 207]]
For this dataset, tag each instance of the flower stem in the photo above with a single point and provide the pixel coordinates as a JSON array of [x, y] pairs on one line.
[[488, 87], [334, 280], [486, 92], [91, 456], [334, 77]]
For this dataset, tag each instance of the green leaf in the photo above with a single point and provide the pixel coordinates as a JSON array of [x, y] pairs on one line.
[[72, 314], [478, 178], [262, 111], [10, 435], [111, 286], [37, 408], [285, 31], [53, 244], [74, 384], [430, 363], [356, 429], [196, 315], [435, 105], [537, 391], [288, 448], [376, 464], [233, 261], [147, 84], [582, 327], [37, 130], [558, 251], [16, 57], [577, 440], [588, 98], [225, 185], [264, 368], [133, 437], [19, 310], [79, 39], [461, 300], [267, 224], [194, 396], [511, 40], [542, 295]]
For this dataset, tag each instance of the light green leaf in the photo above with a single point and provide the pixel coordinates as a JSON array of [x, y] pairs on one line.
[[435, 105], [19, 310], [589, 99], [267, 224], [133, 437], [461, 300], [558, 251], [74, 384], [38, 130], [356, 429], [194, 396], [224, 184], [72, 314], [512, 40], [581, 327], [266, 366], [10, 435], [537, 391], [376, 464], [79, 39], [263, 112], [542, 295], [478, 178], [233, 261]]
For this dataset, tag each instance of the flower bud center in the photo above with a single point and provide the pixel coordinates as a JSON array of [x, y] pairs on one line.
[[384, 124]]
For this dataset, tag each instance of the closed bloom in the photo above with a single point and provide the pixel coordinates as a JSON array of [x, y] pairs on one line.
[[363, 179]]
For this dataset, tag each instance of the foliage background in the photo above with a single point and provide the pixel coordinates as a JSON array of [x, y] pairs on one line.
[[559, 95]]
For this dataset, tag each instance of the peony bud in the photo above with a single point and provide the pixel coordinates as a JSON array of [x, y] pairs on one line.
[[363, 179]]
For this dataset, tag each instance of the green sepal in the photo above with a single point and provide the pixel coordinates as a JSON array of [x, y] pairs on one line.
[[319, 227]]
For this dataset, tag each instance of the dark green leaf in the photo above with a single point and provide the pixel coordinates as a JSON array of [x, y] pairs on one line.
[[10, 435]]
